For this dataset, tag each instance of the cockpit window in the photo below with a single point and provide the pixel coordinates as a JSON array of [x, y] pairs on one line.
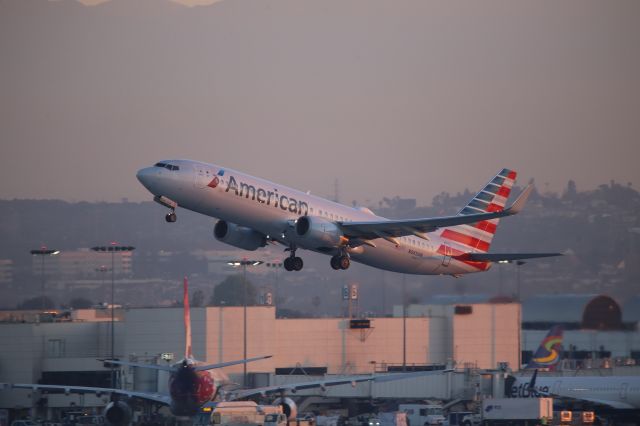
[[167, 166]]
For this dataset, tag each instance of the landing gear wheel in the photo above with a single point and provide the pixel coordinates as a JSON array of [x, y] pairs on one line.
[[288, 264], [171, 217], [297, 263], [344, 262], [335, 262]]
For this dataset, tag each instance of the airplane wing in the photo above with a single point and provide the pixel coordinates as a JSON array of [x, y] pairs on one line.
[[370, 230], [293, 387], [173, 369], [504, 257], [228, 363], [140, 364], [155, 397]]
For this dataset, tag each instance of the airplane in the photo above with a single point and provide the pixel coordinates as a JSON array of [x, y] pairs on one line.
[[548, 353], [617, 397], [194, 385], [253, 212]]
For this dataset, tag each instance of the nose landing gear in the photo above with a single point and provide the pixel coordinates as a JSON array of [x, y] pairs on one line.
[[171, 217], [167, 202]]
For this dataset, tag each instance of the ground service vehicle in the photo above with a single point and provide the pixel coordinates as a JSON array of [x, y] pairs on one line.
[[242, 413], [275, 419], [456, 418], [512, 411], [422, 414]]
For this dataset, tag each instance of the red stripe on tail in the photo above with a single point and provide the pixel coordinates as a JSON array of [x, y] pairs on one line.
[[486, 226], [465, 239]]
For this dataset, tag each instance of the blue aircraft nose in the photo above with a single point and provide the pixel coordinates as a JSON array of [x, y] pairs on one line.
[[145, 176]]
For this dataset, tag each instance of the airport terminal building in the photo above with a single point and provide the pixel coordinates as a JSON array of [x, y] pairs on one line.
[[476, 338]]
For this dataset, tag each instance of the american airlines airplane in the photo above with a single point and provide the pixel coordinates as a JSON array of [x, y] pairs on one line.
[[194, 385], [253, 212]]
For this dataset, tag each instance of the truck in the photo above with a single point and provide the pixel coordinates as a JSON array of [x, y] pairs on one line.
[[423, 414], [243, 413], [512, 411]]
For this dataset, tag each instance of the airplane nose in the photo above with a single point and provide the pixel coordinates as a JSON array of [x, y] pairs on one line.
[[144, 176]]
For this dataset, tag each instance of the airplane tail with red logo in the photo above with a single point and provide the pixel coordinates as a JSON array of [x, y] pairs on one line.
[[187, 321], [477, 237]]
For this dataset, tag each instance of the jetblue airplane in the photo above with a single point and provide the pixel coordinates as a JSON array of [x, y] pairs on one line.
[[615, 397], [253, 212]]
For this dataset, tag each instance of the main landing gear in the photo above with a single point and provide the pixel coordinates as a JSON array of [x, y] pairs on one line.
[[340, 261], [293, 262]]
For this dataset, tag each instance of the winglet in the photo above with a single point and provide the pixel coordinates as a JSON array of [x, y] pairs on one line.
[[517, 205]]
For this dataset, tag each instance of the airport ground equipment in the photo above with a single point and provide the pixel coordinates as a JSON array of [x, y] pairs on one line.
[[512, 411], [423, 414]]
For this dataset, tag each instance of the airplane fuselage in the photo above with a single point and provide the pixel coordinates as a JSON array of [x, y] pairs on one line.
[[190, 389], [618, 392], [272, 210]]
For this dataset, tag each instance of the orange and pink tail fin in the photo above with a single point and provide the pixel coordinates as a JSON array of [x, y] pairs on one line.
[[187, 321]]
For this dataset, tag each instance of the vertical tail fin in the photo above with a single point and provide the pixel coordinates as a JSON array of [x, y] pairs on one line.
[[477, 237], [187, 321], [548, 353]]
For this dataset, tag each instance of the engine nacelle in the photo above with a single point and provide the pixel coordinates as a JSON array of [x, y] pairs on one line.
[[238, 236], [289, 408], [317, 232], [118, 413]]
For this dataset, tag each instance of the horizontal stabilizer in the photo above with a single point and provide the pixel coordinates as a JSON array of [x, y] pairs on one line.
[[228, 363], [505, 257], [108, 362]]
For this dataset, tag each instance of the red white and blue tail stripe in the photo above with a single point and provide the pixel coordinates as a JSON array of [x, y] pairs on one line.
[[477, 237]]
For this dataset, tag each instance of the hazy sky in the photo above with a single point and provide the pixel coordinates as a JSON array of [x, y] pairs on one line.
[[392, 97]]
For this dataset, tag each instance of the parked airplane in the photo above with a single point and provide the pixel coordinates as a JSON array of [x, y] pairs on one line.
[[254, 212], [549, 352], [617, 397], [194, 385]]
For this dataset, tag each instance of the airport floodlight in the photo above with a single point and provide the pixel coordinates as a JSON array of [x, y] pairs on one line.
[[113, 248], [244, 263], [43, 252]]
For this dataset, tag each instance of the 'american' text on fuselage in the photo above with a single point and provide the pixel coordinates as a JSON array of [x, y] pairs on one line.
[[265, 197]]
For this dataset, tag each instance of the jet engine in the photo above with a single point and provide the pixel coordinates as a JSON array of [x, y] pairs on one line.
[[117, 413], [317, 232], [238, 236], [289, 408]]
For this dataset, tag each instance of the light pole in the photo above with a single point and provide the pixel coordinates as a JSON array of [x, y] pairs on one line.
[[244, 263], [102, 270], [404, 323], [519, 263], [113, 248], [43, 252]]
